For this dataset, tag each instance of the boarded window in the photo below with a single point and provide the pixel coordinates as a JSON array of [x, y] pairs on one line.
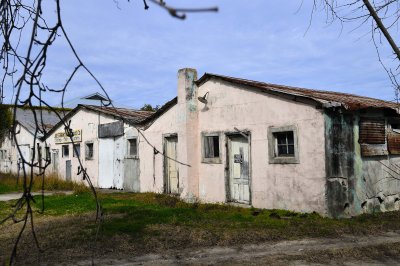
[[211, 146], [132, 147], [65, 151], [284, 144], [394, 143], [76, 152], [372, 131], [111, 130], [89, 151]]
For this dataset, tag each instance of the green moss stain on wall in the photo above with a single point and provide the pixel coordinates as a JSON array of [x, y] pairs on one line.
[[359, 183]]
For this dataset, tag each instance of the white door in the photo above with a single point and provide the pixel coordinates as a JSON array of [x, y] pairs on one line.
[[239, 179], [106, 163], [26, 154], [171, 167]]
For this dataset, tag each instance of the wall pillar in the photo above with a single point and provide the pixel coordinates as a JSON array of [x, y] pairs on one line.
[[188, 135]]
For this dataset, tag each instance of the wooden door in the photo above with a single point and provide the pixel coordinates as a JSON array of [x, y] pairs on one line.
[[171, 167], [131, 174], [68, 170], [239, 178]]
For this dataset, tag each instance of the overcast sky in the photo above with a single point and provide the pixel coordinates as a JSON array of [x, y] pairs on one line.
[[136, 53]]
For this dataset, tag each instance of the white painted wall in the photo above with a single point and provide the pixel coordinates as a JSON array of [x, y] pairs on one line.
[[88, 121], [25, 141]]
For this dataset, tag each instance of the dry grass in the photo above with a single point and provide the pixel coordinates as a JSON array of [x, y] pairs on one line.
[[10, 183], [141, 223]]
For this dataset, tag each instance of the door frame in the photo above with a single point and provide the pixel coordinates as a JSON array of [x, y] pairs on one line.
[[228, 137], [165, 174]]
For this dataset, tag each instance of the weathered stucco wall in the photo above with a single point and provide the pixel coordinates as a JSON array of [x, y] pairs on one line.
[[358, 183], [151, 164], [299, 187], [181, 120]]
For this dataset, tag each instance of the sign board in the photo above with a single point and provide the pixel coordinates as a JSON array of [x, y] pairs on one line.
[[111, 130], [238, 158], [61, 137]]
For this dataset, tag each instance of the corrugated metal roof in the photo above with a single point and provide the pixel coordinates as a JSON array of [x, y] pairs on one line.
[[46, 118], [128, 115], [329, 98]]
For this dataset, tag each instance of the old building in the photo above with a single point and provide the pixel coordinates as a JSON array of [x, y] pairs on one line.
[[25, 128], [232, 140], [104, 142], [273, 146]]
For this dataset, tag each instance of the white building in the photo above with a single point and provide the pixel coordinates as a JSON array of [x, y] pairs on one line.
[[105, 142], [25, 128]]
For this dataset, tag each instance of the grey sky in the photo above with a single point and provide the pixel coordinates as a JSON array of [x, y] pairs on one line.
[[136, 53]]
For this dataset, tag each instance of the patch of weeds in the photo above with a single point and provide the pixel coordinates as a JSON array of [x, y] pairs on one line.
[[11, 183]]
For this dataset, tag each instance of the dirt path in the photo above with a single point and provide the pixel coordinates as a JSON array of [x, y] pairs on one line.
[[350, 250], [14, 196]]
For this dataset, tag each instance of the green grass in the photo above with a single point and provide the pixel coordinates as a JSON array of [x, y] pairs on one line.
[[10, 183], [149, 214]]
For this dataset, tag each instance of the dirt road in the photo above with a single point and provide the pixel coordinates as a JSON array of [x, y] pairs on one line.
[[350, 250], [14, 196]]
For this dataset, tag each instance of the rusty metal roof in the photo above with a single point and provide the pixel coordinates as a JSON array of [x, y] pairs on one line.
[[326, 98], [128, 115]]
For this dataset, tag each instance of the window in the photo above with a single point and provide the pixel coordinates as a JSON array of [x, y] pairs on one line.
[[282, 145], [76, 152], [47, 152], [132, 147], [211, 148], [65, 151], [3, 155], [89, 151]]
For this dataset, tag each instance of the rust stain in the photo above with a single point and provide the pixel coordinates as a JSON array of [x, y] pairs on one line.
[[394, 143], [373, 150]]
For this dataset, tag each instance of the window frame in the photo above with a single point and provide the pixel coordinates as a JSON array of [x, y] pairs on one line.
[[62, 151], [128, 148], [272, 146], [79, 150], [87, 157], [212, 160]]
